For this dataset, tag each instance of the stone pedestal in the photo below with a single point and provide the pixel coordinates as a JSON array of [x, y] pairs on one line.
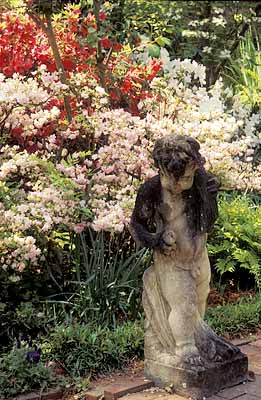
[[199, 382]]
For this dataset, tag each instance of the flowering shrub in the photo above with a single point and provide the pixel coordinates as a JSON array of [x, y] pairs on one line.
[[180, 104], [32, 109], [17, 39], [229, 136], [24, 47], [52, 171], [35, 199], [205, 31], [26, 109], [123, 162], [108, 151]]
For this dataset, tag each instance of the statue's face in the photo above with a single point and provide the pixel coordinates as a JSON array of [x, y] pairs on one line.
[[178, 185]]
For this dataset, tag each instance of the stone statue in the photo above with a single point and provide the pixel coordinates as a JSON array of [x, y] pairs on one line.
[[173, 213]]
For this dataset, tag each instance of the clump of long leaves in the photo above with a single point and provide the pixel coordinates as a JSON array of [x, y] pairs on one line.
[[245, 71], [107, 281]]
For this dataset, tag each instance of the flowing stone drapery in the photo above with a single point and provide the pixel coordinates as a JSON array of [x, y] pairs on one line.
[[180, 205]]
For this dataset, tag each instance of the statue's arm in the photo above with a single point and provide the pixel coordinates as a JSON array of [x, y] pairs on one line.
[[144, 213], [213, 186]]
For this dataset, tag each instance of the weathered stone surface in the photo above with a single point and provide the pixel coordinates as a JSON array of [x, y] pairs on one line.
[[180, 202], [199, 383], [256, 368], [249, 349], [254, 354], [233, 392], [213, 398], [254, 388], [242, 342]]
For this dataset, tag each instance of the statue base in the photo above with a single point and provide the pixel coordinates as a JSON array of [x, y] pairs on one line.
[[199, 382]]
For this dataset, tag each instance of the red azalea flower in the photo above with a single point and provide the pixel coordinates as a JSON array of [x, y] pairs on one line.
[[106, 43], [103, 16], [117, 46]]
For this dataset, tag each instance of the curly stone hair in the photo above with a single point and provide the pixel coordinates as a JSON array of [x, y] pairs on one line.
[[173, 153]]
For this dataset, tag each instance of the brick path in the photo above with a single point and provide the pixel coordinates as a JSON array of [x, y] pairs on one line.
[[247, 391]]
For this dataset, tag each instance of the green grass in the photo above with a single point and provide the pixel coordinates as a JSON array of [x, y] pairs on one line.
[[232, 320], [85, 350]]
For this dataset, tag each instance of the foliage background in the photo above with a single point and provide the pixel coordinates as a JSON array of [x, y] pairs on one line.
[[75, 146]]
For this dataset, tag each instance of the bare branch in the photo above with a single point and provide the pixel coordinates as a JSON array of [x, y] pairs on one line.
[[99, 55]]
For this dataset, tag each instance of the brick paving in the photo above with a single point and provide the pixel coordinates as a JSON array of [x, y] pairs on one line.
[[247, 391]]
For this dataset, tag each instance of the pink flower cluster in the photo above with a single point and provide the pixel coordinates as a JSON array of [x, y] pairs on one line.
[[176, 106], [101, 157], [34, 207]]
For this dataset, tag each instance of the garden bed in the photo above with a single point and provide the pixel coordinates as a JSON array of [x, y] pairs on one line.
[[75, 147]]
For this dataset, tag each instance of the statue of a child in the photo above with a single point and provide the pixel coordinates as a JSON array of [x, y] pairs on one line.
[[173, 213]]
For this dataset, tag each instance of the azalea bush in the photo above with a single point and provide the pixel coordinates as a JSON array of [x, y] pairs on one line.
[[25, 46], [180, 104], [59, 175], [87, 171], [36, 199], [46, 165], [207, 32]]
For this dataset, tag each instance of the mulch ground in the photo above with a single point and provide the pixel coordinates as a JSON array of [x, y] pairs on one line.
[[229, 296]]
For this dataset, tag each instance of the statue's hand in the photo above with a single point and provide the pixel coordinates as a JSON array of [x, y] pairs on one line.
[[213, 185], [168, 242]]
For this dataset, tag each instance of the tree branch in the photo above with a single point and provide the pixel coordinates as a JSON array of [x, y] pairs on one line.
[[48, 29], [99, 55], [58, 61]]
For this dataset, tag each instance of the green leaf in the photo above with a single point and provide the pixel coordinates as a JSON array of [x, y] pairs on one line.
[[154, 50], [163, 41], [91, 30]]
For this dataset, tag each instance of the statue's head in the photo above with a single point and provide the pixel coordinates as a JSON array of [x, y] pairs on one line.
[[177, 158]]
